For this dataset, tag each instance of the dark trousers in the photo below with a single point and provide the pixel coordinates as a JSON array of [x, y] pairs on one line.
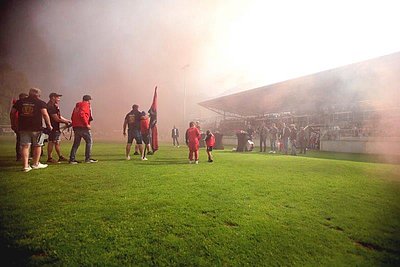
[[175, 140], [80, 133], [272, 141], [18, 146], [302, 144], [263, 144]]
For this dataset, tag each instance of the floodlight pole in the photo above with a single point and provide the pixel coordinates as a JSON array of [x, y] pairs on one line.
[[184, 92]]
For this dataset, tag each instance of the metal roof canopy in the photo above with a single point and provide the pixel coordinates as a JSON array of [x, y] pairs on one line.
[[339, 89]]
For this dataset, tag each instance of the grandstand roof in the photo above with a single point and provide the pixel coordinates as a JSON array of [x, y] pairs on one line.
[[375, 81]]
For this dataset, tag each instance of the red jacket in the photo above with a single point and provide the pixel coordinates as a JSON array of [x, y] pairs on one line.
[[144, 125], [192, 136], [210, 140], [81, 115]]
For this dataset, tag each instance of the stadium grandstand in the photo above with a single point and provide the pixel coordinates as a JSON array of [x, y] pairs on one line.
[[354, 108]]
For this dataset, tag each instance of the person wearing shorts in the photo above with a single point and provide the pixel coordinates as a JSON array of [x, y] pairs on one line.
[[145, 133], [15, 128], [132, 120], [31, 111], [55, 135], [210, 142]]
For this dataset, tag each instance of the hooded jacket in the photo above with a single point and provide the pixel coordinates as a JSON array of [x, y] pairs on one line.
[[81, 115]]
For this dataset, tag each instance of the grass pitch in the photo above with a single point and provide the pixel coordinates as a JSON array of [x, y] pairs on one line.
[[244, 209]]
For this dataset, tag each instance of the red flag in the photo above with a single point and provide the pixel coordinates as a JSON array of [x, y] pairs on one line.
[[153, 122]]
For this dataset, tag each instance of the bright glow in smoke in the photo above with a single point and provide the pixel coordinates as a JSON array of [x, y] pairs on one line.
[[269, 41], [119, 50]]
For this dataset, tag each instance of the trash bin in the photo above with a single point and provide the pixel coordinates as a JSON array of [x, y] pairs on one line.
[[218, 140]]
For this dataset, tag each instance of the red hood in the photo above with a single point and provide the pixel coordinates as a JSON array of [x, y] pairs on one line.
[[81, 114]]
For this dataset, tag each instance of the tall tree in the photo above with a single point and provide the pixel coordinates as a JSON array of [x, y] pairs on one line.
[[12, 83]]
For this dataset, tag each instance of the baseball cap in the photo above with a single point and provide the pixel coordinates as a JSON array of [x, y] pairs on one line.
[[87, 97], [54, 95]]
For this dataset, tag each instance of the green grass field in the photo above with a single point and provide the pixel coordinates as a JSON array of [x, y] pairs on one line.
[[245, 209]]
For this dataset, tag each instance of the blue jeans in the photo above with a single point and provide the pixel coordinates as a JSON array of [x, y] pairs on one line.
[[87, 136], [272, 141], [285, 144]]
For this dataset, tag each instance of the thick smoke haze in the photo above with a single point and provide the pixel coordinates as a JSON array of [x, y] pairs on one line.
[[115, 51], [118, 51]]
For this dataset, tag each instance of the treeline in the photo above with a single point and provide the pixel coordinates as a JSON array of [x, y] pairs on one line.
[[12, 82]]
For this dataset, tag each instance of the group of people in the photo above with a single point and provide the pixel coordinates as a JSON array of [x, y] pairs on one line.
[[27, 116], [138, 123], [193, 137], [29, 112], [282, 139]]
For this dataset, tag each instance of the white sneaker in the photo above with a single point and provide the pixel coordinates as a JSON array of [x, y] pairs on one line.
[[190, 162], [144, 158], [197, 162], [39, 166], [128, 158], [178, 146], [27, 169], [274, 152]]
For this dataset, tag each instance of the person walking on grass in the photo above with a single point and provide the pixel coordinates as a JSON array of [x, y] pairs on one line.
[[210, 142], [132, 120], [54, 136], [81, 118], [31, 112], [192, 138]]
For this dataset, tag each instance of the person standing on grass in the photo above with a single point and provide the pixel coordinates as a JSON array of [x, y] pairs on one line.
[[192, 138], [55, 119], [132, 120], [285, 138], [301, 137], [81, 118], [15, 128], [145, 132], [293, 139], [250, 132], [273, 133], [263, 131], [175, 136], [210, 142], [31, 112]]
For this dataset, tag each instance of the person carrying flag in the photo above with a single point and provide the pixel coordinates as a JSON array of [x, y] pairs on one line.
[[153, 123]]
